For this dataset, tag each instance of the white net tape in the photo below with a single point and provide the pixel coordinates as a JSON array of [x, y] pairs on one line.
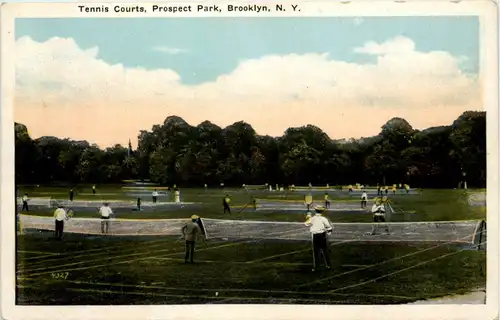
[[283, 205], [54, 203], [449, 231], [256, 187], [39, 202]]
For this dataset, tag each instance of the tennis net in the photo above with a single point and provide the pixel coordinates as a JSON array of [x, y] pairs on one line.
[[256, 187], [300, 206], [467, 232]]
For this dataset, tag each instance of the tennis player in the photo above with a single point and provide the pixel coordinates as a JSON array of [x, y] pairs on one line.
[[191, 231], [71, 194], [225, 204], [25, 203], [364, 198], [138, 203], [93, 189], [155, 196], [60, 215], [177, 196], [327, 201], [106, 213], [320, 228], [378, 210]]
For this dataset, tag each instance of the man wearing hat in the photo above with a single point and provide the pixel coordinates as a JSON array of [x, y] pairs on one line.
[[320, 228], [190, 232], [378, 211], [106, 213], [60, 215]]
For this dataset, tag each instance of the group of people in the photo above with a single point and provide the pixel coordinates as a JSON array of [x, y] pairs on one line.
[[385, 189], [62, 214], [320, 227]]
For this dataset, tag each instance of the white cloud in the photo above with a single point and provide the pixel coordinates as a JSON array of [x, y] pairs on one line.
[[169, 50], [397, 45], [109, 103]]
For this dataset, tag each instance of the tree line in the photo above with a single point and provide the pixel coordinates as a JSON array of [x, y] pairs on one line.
[[178, 153]]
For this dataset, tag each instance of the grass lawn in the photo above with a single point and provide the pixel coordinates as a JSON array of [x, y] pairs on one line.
[[150, 270], [136, 270], [430, 205]]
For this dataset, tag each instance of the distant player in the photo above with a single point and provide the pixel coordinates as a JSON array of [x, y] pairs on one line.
[[190, 232], [155, 196], [386, 190], [71, 194], [407, 187], [320, 228], [205, 187], [378, 211], [25, 203], [60, 215], [308, 201], [106, 213], [379, 192], [177, 196], [364, 199], [93, 189], [138, 203], [350, 188], [225, 204], [222, 185], [393, 189], [327, 201]]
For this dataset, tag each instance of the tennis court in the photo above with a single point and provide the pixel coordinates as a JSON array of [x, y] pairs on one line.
[[251, 256], [150, 270]]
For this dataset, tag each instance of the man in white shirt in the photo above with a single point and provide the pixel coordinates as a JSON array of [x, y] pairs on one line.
[[364, 198], [378, 210], [155, 196], [60, 215], [320, 228], [106, 213], [177, 196]]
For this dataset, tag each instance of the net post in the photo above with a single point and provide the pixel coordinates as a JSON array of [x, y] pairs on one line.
[[482, 236], [479, 235]]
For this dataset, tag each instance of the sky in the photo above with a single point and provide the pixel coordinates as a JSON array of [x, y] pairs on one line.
[[104, 80]]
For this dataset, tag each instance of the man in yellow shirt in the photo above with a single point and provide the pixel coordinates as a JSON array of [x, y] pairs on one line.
[[225, 204], [60, 215], [327, 201]]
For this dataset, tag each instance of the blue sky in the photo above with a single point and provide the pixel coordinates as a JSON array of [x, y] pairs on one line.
[[215, 46]]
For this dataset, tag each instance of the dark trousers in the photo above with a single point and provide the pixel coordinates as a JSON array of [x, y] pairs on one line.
[[25, 206], [327, 204], [104, 224], [93, 191], [227, 209], [377, 219], [189, 251], [363, 204], [154, 199], [59, 229], [320, 248]]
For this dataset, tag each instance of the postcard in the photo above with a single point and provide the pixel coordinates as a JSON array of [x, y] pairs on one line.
[[249, 160]]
